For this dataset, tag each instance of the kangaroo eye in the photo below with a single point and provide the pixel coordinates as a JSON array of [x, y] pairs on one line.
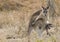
[[45, 11]]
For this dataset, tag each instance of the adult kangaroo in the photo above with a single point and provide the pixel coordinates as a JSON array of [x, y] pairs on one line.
[[39, 21]]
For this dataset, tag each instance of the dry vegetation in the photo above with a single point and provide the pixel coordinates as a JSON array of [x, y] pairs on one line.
[[15, 16]]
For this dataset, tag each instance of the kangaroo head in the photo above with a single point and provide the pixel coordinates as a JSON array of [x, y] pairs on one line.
[[45, 10]]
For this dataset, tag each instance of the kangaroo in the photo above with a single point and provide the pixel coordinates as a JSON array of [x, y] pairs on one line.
[[39, 21]]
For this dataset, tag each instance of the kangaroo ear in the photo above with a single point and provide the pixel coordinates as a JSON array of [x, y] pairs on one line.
[[43, 7]]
